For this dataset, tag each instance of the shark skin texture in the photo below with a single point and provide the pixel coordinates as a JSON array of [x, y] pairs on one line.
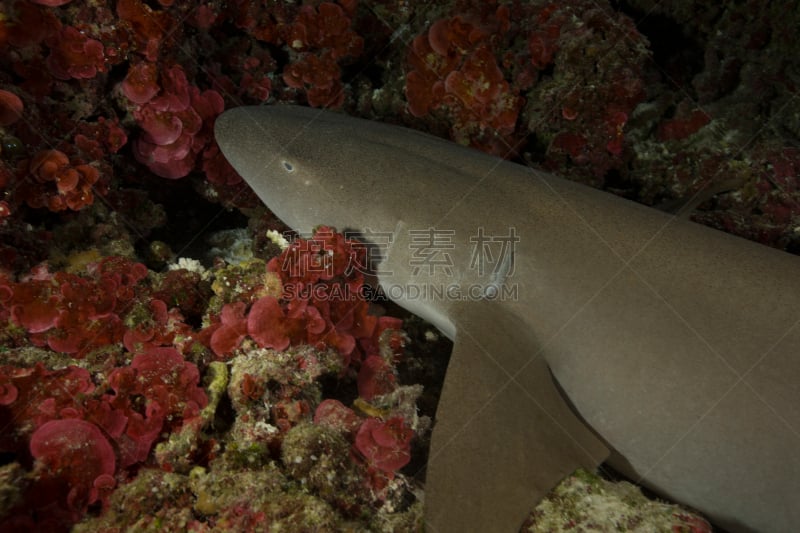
[[676, 344]]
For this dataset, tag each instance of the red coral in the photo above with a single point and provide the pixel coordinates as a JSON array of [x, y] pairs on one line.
[[323, 36], [165, 127], [51, 3], [386, 446], [584, 125], [252, 387], [323, 305], [71, 428], [33, 25], [217, 168], [35, 396], [319, 77], [682, 126], [74, 314], [543, 42], [169, 388], [184, 290], [205, 16], [74, 55], [10, 108], [323, 280], [572, 143], [148, 26], [324, 27], [287, 413], [270, 327], [166, 379], [327, 255], [57, 182], [8, 392], [96, 140], [124, 274], [156, 326], [453, 67], [615, 124], [78, 334], [77, 456], [33, 305], [256, 87], [424, 82]]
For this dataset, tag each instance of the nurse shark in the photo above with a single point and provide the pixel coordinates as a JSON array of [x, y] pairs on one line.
[[674, 347]]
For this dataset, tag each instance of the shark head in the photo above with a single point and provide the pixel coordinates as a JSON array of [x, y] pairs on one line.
[[308, 166], [286, 159], [313, 167]]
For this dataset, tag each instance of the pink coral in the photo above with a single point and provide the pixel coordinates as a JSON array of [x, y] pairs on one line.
[[386, 446], [375, 377], [141, 83], [177, 119], [231, 331], [336, 415]]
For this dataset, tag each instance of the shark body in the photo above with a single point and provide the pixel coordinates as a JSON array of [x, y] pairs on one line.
[[676, 345]]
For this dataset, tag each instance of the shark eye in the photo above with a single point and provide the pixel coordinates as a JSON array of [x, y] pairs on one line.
[[287, 166]]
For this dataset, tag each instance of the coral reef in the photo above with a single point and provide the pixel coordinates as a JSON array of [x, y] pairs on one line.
[[586, 502], [266, 364], [55, 419], [130, 396], [453, 66], [575, 87]]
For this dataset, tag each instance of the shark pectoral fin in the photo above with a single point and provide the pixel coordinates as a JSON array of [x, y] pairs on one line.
[[504, 435]]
